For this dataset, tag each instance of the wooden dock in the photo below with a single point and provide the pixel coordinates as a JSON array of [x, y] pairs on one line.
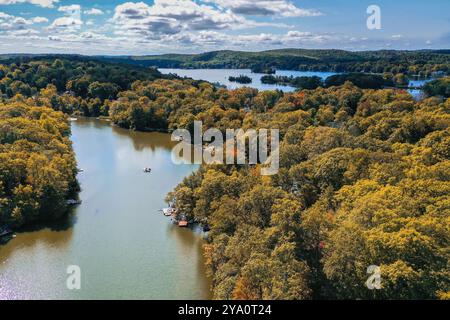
[[5, 231]]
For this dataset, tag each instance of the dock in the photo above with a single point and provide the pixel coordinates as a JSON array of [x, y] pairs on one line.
[[5, 231]]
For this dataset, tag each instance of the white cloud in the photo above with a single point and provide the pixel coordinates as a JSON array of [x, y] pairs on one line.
[[94, 12], [13, 25], [212, 40], [24, 33], [4, 16], [66, 24], [42, 3], [40, 20], [21, 21], [177, 26], [71, 22], [81, 37], [167, 17], [70, 9], [266, 8]]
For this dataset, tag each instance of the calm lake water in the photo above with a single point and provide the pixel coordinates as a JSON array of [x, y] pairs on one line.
[[221, 76], [125, 248]]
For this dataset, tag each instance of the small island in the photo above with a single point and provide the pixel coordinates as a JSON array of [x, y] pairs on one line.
[[361, 80], [243, 79], [297, 82]]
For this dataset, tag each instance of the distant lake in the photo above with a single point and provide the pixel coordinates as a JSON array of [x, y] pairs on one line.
[[221, 76], [417, 93]]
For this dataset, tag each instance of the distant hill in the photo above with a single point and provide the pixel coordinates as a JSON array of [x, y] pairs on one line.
[[421, 62]]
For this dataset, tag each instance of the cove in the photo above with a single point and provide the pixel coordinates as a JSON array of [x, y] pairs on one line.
[[124, 247]]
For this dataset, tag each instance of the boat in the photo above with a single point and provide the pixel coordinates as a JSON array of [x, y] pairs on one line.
[[73, 202], [147, 170], [169, 211]]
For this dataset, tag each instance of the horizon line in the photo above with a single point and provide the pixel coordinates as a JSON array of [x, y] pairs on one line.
[[224, 50]]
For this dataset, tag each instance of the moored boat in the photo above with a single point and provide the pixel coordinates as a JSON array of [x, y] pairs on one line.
[[73, 202], [168, 211]]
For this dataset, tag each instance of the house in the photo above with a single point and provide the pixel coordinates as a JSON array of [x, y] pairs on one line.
[[183, 224]]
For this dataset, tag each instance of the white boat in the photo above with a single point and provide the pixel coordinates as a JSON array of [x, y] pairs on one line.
[[168, 211]]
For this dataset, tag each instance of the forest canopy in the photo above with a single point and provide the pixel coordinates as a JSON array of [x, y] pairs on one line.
[[363, 179], [37, 163], [71, 84], [438, 87]]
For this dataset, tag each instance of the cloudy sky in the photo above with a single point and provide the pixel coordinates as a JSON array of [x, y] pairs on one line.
[[189, 26]]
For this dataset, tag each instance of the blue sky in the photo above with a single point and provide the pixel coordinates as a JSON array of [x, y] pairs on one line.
[[188, 26]]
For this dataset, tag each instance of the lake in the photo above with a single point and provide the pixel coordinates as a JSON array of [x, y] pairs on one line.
[[221, 76], [125, 247]]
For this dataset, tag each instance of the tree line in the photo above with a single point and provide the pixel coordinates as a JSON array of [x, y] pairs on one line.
[[74, 85], [438, 87], [361, 80], [421, 63], [37, 164]]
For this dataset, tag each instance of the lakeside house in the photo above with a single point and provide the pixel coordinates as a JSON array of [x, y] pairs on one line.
[[183, 224]]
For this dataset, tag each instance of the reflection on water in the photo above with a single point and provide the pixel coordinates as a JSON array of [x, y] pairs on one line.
[[56, 235], [140, 139], [125, 248]]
